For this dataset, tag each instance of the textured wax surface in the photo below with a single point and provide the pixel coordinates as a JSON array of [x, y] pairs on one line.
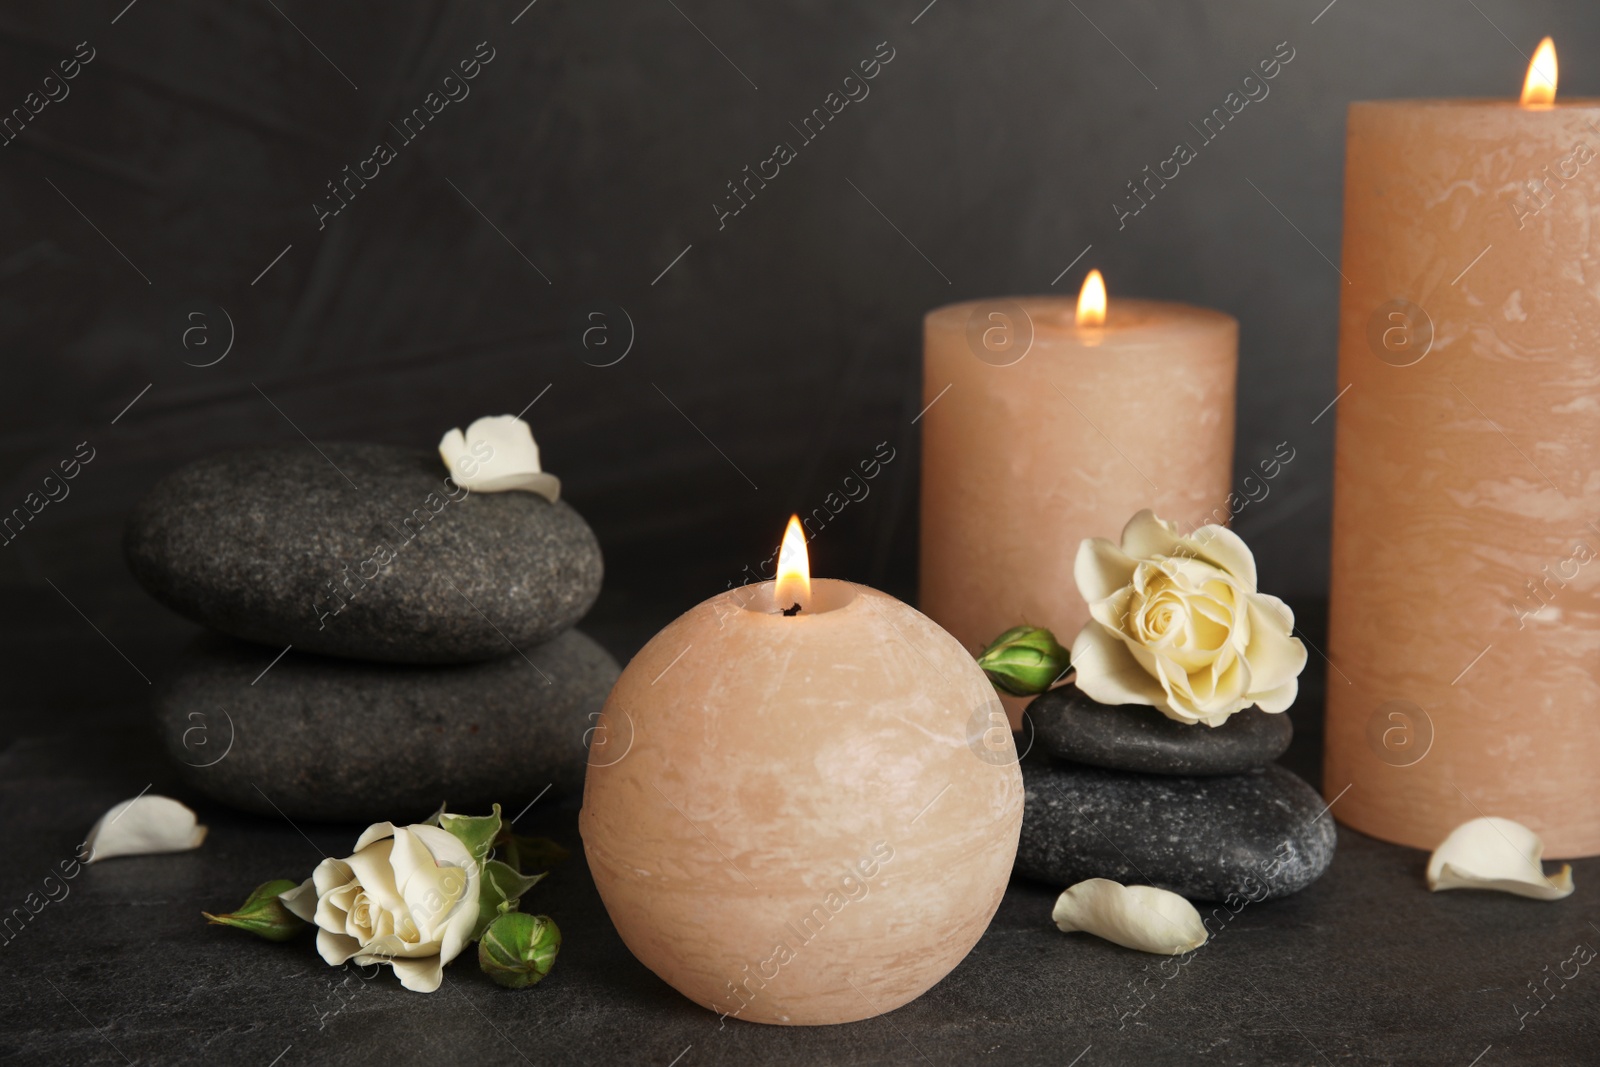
[[317, 737], [803, 787], [362, 551], [1465, 621]]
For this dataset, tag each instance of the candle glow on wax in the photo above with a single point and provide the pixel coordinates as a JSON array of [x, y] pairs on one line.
[[793, 584], [1539, 87]]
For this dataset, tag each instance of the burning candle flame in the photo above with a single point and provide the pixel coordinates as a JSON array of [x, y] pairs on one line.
[[794, 568], [1092, 301], [1539, 88]]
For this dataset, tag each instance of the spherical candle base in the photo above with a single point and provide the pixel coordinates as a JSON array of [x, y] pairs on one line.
[[802, 819]]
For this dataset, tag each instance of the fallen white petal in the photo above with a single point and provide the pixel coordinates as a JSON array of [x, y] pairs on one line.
[[1493, 853], [497, 453], [1134, 916], [144, 825]]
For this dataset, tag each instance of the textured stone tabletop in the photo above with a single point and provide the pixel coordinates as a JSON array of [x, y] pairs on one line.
[[1364, 967]]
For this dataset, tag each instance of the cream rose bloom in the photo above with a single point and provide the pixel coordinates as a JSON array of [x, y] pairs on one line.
[[408, 897], [1177, 623]]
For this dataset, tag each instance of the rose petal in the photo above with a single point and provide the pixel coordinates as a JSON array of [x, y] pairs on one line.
[[452, 446], [1101, 568], [1275, 657], [376, 832], [146, 825], [430, 889], [1112, 612], [330, 874], [1279, 699], [1107, 670], [335, 948], [1227, 550], [301, 900], [546, 485], [459, 930], [444, 846], [371, 867], [1494, 853], [512, 460], [420, 975], [515, 451], [1145, 536], [1139, 917]]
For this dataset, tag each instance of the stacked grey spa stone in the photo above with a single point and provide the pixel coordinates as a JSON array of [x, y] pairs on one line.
[[433, 652], [1128, 794]]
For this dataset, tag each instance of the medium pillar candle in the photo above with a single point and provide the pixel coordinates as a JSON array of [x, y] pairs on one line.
[[1040, 432], [804, 818], [1465, 620]]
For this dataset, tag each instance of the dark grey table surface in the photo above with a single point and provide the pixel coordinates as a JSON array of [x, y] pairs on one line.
[[1364, 967]]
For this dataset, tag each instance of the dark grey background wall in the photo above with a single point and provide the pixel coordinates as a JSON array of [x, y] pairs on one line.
[[781, 346]]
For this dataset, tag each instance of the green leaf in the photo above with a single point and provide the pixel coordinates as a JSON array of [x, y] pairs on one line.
[[1025, 661], [518, 950], [530, 853], [263, 914], [477, 832]]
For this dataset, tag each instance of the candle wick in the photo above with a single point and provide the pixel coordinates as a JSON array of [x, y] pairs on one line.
[[792, 611]]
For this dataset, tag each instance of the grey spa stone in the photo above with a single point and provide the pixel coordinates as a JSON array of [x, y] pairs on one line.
[[322, 738], [1258, 835], [1135, 737], [369, 553]]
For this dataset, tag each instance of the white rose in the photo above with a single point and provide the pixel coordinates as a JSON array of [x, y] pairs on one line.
[[495, 455], [1177, 623], [408, 897]]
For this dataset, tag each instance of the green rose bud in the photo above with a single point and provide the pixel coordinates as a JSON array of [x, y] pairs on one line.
[[263, 914], [1025, 661], [518, 950]]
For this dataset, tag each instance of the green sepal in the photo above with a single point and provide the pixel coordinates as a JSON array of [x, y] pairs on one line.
[[500, 891], [263, 914], [1025, 661], [477, 832], [518, 950]]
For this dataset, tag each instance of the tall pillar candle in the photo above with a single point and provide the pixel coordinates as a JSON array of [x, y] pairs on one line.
[[1465, 625], [1040, 432]]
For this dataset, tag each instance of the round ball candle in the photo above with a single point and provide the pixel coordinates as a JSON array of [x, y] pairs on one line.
[[1465, 601], [801, 816], [1047, 423]]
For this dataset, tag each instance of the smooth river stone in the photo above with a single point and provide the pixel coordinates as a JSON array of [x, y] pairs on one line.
[[323, 738], [1262, 834], [1135, 737], [275, 545]]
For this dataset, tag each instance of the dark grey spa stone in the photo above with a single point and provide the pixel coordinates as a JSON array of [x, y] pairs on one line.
[[1136, 737], [322, 738], [368, 553], [1258, 835]]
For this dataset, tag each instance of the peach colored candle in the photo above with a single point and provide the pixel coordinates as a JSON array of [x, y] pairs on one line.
[[1465, 620], [802, 818], [1029, 447]]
